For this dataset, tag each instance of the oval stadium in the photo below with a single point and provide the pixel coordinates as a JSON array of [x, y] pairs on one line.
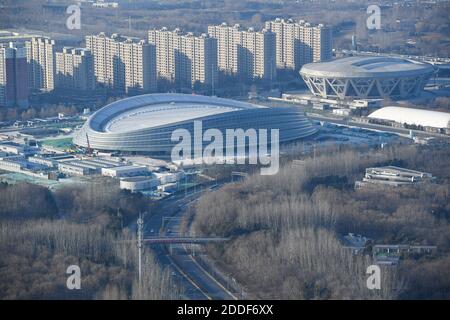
[[367, 77], [144, 124]]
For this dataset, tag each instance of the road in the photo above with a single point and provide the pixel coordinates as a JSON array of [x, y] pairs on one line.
[[197, 282], [377, 127], [182, 239]]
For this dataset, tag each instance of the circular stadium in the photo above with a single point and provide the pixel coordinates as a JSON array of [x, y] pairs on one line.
[[367, 77], [144, 124]]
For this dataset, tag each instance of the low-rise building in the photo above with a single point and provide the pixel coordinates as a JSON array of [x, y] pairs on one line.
[[21, 165], [71, 169], [124, 171], [356, 243], [366, 103], [342, 112], [390, 254], [168, 187], [12, 148], [170, 177], [141, 183], [10, 165], [393, 176], [49, 162]]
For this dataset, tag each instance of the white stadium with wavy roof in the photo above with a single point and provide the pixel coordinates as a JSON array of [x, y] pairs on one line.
[[367, 77], [144, 124]]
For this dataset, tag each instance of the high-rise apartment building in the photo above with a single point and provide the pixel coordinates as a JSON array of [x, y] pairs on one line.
[[227, 38], [41, 66], [13, 75], [298, 43], [322, 43], [105, 53], [75, 69], [256, 55], [246, 54], [185, 59], [165, 42], [139, 61], [123, 63]]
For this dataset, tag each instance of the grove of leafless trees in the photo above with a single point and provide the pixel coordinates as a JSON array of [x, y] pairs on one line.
[[286, 229], [42, 233]]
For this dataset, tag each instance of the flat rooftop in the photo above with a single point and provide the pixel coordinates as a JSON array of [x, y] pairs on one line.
[[127, 167], [137, 179]]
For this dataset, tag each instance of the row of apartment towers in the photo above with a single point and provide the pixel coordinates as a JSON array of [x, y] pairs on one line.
[[183, 59]]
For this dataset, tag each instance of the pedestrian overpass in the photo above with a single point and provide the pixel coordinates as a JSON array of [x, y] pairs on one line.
[[191, 240]]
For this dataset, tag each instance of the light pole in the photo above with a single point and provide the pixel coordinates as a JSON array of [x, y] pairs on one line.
[[140, 228]]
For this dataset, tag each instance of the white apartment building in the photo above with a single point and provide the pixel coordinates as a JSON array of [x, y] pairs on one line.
[[298, 43], [165, 42], [184, 59], [75, 69], [140, 67], [246, 54], [41, 66], [123, 63], [227, 37]]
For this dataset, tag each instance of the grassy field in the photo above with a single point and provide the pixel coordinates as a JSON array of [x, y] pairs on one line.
[[63, 143]]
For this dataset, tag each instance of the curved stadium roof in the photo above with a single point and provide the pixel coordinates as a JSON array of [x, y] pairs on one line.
[[154, 110], [150, 116], [367, 66], [367, 77], [426, 118]]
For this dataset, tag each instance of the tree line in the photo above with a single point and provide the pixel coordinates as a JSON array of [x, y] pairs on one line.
[[287, 229], [43, 232]]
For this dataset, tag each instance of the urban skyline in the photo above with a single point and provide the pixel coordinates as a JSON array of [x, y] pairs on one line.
[[131, 65]]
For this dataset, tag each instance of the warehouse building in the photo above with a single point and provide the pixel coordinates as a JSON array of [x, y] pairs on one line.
[[74, 169], [124, 171], [427, 119], [14, 148]]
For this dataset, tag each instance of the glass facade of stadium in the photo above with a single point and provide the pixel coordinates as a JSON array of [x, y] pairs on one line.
[[154, 137]]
